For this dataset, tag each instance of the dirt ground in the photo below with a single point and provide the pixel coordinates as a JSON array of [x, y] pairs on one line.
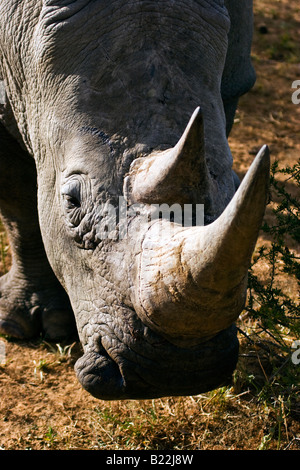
[[42, 406]]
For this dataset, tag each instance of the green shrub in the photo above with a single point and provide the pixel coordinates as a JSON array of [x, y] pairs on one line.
[[273, 309], [277, 308]]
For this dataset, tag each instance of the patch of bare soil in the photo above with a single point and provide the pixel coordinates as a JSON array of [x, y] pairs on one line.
[[42, 405]]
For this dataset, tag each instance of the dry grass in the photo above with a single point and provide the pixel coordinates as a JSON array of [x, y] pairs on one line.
[[42, 406]]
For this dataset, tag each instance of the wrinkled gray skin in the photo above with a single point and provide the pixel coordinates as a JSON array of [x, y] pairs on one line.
[[91, 86]]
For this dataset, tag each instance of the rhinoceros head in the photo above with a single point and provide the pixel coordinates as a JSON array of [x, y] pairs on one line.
[[128, 108]]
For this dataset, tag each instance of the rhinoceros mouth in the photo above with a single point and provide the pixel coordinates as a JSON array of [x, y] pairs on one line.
[[143, 365]]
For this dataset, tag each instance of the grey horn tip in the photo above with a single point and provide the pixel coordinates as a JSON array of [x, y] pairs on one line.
[[265, 149], [264, 152], [197, 113], [263, 157]]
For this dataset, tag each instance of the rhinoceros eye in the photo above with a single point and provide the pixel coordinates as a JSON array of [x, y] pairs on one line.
[[72, 201]]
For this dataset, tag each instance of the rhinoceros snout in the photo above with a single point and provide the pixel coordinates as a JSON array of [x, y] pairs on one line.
[[140, 364]]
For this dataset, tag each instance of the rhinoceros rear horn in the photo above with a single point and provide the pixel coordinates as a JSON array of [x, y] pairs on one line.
[[178, 174]]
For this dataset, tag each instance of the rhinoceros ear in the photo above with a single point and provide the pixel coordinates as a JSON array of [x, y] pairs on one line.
[[177, 175]]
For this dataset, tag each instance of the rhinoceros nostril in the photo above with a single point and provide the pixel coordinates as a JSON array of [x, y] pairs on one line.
[[99, 375]]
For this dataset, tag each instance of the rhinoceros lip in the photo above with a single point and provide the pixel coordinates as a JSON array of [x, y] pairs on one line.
[[151, 367]]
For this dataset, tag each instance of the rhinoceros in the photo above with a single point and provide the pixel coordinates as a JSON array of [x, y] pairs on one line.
[[112, 111]]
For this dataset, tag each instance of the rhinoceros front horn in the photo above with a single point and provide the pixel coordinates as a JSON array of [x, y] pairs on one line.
[[191, 282]]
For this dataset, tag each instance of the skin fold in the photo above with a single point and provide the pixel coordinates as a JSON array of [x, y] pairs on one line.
[[98, 94]]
